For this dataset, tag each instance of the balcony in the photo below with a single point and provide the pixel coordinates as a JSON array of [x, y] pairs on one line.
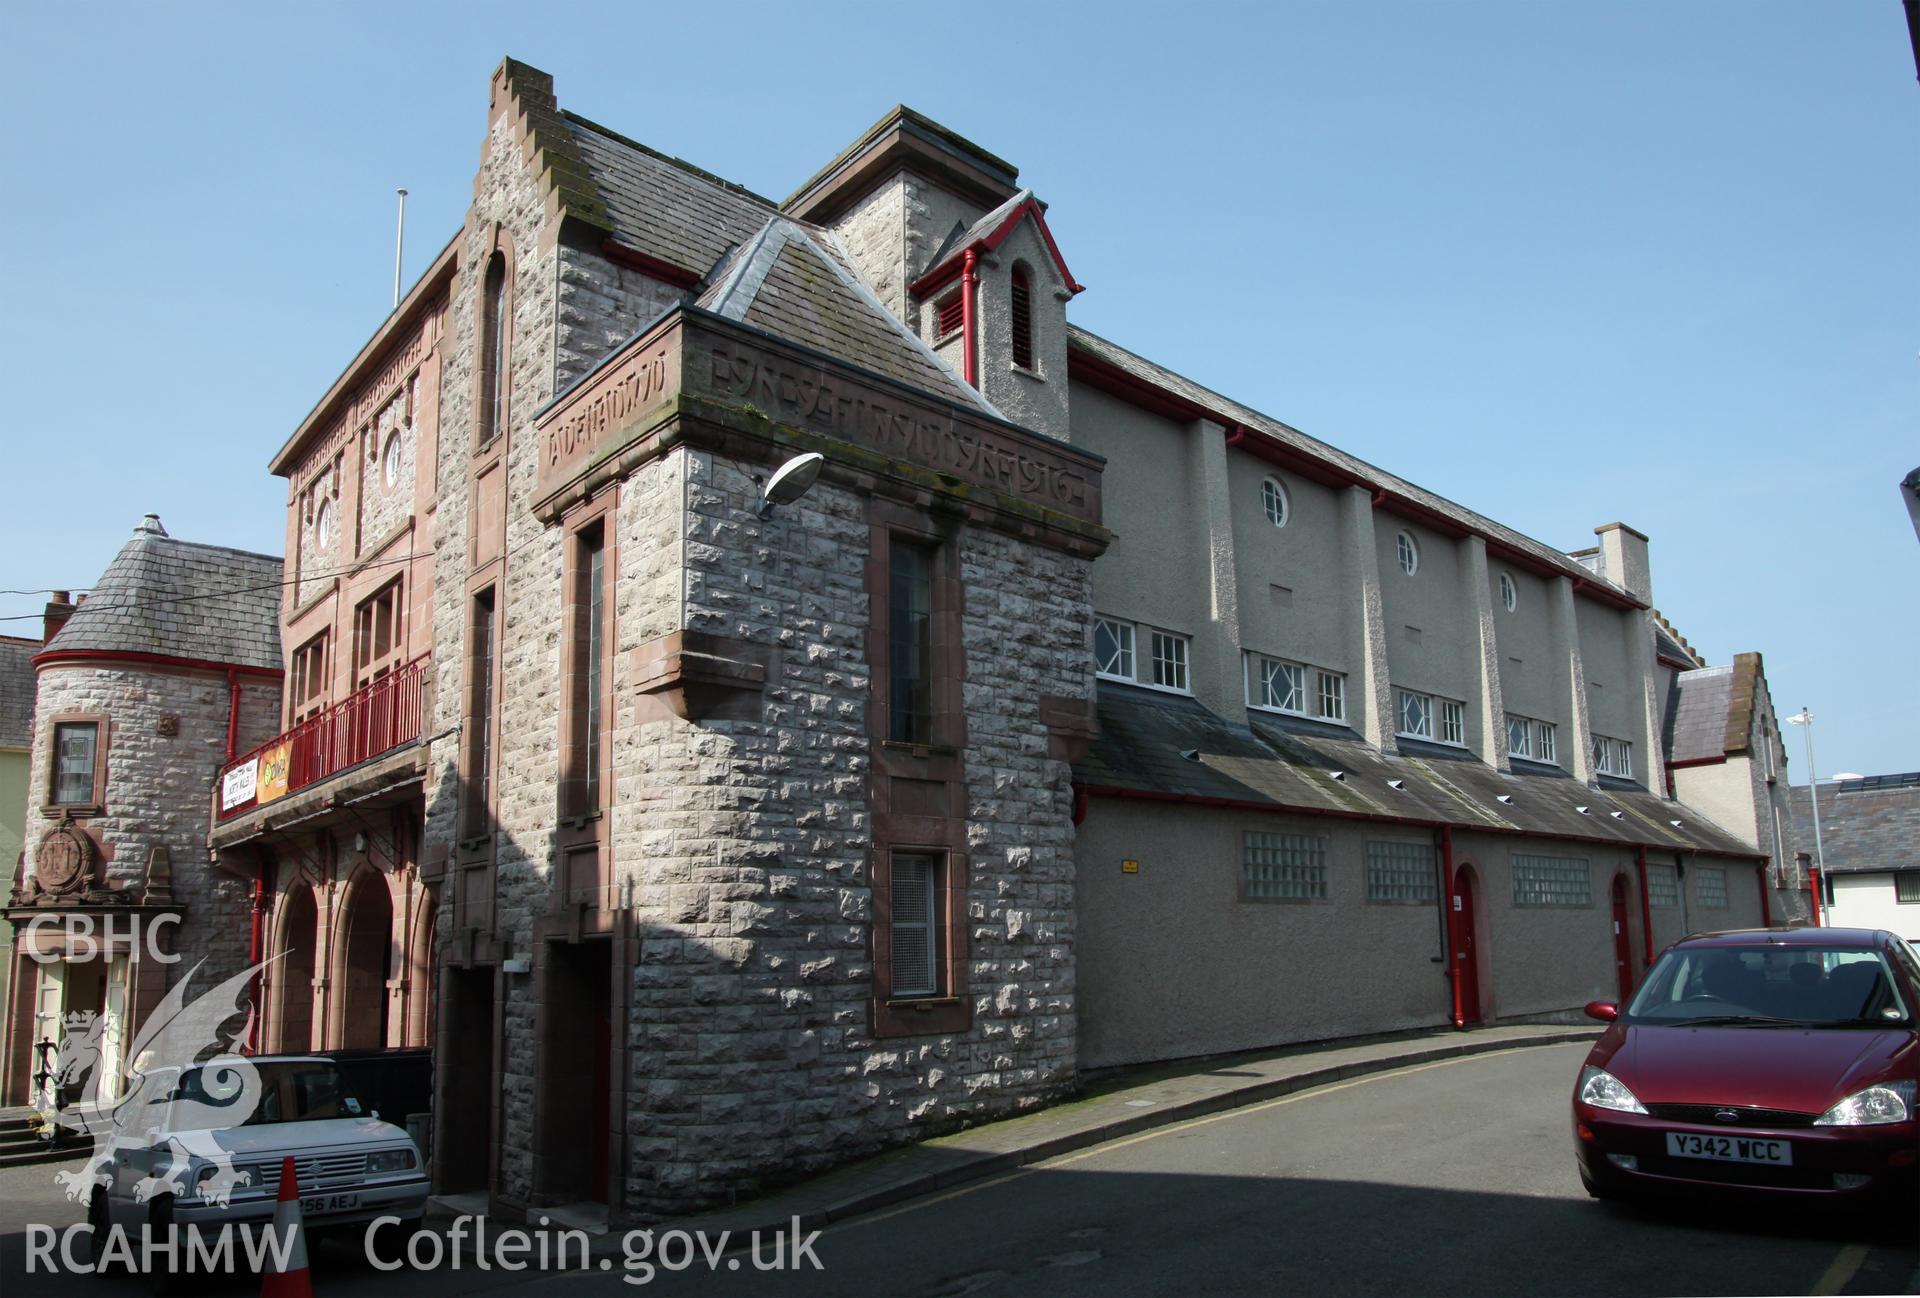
[[374, 720]]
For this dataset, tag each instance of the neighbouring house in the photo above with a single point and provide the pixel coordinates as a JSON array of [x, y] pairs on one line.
[[1869, 850], [166, 669]]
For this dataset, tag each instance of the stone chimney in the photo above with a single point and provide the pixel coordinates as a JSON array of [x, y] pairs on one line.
[[1623, 552], [55, 616], [150, 525]]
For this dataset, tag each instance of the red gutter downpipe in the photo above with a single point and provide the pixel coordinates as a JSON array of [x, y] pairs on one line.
[[1448, 899], [1813, 878], [969, 285], [233, 713], [1766, 904], [1646, 905]]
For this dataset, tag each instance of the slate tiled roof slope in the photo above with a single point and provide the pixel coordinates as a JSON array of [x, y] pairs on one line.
[[1696, 721], [1232, 411], [790, 280], [664, 207], [181, 600], [1288, 767], [1865, 826], [16, 691]]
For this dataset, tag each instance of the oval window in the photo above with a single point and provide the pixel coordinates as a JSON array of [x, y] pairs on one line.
[[323, 525], [390, 461], [1274, 497], [1509, 596], [1409, 555]]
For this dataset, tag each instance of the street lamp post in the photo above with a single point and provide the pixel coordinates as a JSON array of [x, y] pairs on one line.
[[1804, 717]]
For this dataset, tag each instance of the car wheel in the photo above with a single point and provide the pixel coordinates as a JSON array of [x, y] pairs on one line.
[[99, 1222], [162, 1264]]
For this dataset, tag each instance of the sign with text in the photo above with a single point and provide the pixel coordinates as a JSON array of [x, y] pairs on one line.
[[597, 416], [275, 762], [239, 784]]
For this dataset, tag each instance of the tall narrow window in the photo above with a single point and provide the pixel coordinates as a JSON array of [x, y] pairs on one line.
[[910, 644], [377, 640], [1022, 302], [916, 937], [493, 349], [480, 640], [588, 649], [75, 746], [308, 693]]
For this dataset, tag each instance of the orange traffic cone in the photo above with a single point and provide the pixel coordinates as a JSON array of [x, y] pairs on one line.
[[293, 1281]]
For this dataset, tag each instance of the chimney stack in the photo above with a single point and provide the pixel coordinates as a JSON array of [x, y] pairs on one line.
[[1623, 553], [58, 610]]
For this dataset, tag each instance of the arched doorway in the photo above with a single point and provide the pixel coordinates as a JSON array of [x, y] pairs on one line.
[[1622, 938], [366, 941], [1466, 943], [293, 973]]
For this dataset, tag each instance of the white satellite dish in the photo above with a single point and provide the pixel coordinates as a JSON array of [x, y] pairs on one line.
[[790, 481]]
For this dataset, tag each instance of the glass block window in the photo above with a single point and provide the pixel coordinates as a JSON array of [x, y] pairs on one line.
[[1332, 691], [1400, 872], [1273, 497], [1906, 888], [1113, 648], [1551, 881], [1710, 881], [1453, 722], [1169, 660], [1285, 867], [1663, 886], [1416, 714]]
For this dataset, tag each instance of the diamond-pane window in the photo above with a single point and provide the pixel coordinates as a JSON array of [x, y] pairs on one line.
[[1113, 649], [1416, 714]]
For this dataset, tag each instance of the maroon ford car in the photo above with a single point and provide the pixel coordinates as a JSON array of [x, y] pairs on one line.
[[1773, 1059]]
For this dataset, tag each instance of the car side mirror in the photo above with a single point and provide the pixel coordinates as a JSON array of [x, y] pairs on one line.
[[1605, 1011]]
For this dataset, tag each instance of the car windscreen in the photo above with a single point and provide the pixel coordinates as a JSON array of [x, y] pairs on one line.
[[1761, 986], [289, 1091]]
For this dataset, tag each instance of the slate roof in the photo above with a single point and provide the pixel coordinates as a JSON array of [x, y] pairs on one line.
[[1696, 720], [1288, 765], [1231, 411], [181, 600], [16, 691], [1866, 825], [664, 207], [792, 280]]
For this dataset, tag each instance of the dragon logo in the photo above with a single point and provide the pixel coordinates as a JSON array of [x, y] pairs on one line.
[[171, 1095]]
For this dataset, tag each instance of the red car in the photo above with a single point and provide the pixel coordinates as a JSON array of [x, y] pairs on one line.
[[1779, 1060]]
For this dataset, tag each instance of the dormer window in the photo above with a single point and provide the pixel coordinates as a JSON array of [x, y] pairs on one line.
[[950, 313], [1022, 303]]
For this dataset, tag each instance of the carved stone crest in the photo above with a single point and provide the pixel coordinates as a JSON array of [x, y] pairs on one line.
[[64, 862]]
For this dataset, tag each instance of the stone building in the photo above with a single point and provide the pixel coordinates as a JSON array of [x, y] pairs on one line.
[[1870, 850], [848, 700], [166, 670], [326, 815], [16, 750]]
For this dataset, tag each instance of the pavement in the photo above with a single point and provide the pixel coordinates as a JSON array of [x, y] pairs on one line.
[[1113, 1105]]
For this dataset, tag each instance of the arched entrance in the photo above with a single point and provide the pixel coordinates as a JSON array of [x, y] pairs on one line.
[[1622, 938], [1466, 943], [364, 964], [293, 973]]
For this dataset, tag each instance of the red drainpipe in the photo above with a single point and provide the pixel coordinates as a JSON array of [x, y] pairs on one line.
[[233, 712], [1646, 907], [1813, 878], [1448, 898], [969, 351], [255, 941]]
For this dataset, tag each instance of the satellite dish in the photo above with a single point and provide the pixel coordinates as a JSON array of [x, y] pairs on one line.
[[790, 481]]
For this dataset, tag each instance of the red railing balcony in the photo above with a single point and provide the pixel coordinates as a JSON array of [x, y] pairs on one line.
[[376, 718]]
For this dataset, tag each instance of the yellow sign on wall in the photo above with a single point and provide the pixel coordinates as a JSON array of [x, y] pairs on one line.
[[1129, 867]]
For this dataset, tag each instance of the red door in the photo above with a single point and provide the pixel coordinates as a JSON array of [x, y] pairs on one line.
[[1466, 954], [1622, 941]]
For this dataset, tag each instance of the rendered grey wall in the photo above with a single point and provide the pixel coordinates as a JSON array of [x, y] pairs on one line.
[[1306, 622], [1440, 660]]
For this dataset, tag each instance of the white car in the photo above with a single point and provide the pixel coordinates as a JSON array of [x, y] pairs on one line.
[[202, 1147]]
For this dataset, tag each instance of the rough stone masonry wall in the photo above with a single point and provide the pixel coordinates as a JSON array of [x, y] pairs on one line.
[[749, 843], [156, 794], [601, 305]]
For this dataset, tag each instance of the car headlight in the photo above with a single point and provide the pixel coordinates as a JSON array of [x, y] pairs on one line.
[[390, 1160], [1603, 1090], [1882, 1103]]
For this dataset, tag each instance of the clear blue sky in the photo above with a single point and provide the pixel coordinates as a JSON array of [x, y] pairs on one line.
[[1564, 263]]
